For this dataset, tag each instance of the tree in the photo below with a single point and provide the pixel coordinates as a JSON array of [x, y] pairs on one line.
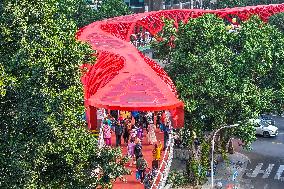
[[278, 21], [107, 10], [224, 77], [83, 14], [4, 79], [44, 143]]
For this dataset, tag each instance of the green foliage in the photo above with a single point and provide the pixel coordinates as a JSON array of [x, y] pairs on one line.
[[224, 78], [278, 21], [185, 133], [107, 10], [197, 168], [193, 167], [177, 178], [232, 3], [44, 143], [3, 81], [204, 159]]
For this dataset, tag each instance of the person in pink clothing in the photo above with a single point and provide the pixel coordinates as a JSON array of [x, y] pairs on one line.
[[107, 134], [130, 150], [151, 136]]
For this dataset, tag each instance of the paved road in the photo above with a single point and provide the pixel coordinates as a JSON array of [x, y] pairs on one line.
[[271, 146], [266, 169]]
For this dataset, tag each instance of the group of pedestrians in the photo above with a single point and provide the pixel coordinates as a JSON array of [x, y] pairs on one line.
[[133, 127]]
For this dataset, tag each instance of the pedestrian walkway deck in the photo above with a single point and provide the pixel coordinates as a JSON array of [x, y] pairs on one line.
[[131, 182]]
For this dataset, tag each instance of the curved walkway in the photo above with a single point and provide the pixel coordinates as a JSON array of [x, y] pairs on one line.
[[111, 37], [115, 55], [131, 182]]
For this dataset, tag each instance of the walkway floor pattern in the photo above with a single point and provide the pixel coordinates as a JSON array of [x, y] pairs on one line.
[[131, 182]]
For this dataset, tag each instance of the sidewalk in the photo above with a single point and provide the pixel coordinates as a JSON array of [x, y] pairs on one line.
[[227, 171]]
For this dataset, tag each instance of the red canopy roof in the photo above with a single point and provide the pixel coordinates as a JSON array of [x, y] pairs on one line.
[[123, 78], [135, 91]]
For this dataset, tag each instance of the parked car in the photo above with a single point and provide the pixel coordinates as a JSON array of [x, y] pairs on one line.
[[265, 128]]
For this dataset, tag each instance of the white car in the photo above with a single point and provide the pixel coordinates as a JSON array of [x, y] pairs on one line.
[[265, 128]]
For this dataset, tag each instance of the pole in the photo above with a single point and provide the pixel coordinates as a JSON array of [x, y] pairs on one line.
[[212, 162], [212, 151], [146, 8]]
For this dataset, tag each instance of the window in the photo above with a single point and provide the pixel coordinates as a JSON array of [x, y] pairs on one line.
[[135, 3]]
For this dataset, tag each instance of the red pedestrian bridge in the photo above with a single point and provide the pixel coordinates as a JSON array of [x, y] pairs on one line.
[[125, 79]]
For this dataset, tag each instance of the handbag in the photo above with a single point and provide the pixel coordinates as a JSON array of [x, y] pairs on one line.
[[138, 175]]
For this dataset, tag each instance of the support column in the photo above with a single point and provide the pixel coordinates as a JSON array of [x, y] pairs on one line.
[[92, 117], [178, 117]]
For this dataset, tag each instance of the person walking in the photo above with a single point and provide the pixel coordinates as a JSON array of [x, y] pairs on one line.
[[130, 150], [118, 133], [140, 132], [166, 131], [138, 149], [107, 134], [151, 136], [126, 132], [157, 151], [135, 114], [141, 166], [163, 121], [133, 133]]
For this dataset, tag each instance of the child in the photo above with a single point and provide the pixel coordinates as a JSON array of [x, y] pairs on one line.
[[107, 134], [157, 151], [141, 166], [130, 149]]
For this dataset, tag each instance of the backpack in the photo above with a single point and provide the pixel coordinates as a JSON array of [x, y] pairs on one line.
[[137, 150], [141, 164]]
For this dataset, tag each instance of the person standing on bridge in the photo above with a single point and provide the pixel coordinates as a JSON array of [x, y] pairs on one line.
[[163, 121], [126, 131], [107, 133], [166, 130], [141, 166], [151, 136], [157, 151], [118, 133], [130, 150], [138, 149]]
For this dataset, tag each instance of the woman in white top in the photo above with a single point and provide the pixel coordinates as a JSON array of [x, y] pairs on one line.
[[151, 136]]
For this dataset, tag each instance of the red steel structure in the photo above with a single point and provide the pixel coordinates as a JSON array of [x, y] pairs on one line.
[[123, 78]]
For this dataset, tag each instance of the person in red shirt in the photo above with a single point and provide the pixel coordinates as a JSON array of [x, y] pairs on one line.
[[163, 120]]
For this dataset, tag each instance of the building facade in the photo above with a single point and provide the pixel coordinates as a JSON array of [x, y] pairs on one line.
[[154, 5]]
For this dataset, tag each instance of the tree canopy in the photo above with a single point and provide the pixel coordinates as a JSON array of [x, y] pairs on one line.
[[224, 77], [278, 21], [44, 143], [107, 10]]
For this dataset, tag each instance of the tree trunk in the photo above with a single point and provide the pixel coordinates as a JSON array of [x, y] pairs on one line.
[[231, 147]]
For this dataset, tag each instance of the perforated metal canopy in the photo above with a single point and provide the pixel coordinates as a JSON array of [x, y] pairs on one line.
[[123, 78]]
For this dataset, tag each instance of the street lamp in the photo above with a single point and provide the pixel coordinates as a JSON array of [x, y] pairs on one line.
[[212, 156]]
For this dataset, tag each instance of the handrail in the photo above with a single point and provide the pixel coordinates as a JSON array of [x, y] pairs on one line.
[[167, 163], [164, 174], [101, 134], [101, 137]]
